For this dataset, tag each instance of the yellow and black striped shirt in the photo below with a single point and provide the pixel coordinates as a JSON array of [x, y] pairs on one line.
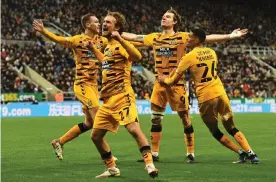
[[116, 70], [168, 50], [86, 62]]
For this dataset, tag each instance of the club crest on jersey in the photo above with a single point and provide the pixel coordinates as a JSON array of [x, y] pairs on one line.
[[98, 46], [109, 53], [173, 42]]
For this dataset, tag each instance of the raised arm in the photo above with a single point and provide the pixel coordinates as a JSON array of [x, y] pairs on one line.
[[133, 37], [38, 26], [224, 37], [131, 50]]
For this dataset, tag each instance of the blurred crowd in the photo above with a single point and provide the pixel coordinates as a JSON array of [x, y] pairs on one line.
[[143, 16], [242, 77]]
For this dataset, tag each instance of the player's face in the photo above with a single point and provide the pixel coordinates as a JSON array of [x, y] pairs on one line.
[[94, 24], [108, 25], [192, 41], [167, 20]]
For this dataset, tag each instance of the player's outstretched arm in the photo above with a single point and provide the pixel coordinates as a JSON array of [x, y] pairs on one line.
[[238, 33], [131, 50], [133, 37], [38, 26]]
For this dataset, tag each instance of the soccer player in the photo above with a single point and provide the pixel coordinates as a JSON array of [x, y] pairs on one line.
[[85, 85], [119, 105], [212, 98], [169, 46]]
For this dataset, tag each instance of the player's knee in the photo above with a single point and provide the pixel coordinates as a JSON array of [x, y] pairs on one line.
[[233, 131], [156, 117], [133, 129], [84, 127], [217, 134], [184, 116], [95, 137]]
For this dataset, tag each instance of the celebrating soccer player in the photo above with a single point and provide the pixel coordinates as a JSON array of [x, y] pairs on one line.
[[169, 46], [87, 65], [119, 105], [211, 95]]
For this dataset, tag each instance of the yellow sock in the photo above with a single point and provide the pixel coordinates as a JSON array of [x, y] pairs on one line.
[[229, 144], [147, 157], [240, 138], [70, 135], [155, 141], [110, 162], [189, 140]]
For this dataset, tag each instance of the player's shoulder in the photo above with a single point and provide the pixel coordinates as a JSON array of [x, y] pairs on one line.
[[75, 37], [104, 39], [154, 34], [210, 49], [183, 33]]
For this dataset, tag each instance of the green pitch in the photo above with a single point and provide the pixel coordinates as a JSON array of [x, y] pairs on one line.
[[28, 156]]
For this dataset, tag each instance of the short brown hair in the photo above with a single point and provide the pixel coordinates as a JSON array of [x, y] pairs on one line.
[[120, 20], [176, 18], [85, 19]]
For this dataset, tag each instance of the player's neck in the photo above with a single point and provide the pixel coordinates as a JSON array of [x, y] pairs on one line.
[[89, 33], [168, 31], [111, 40], [198, 46]]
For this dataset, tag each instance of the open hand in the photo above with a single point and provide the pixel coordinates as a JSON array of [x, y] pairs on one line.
[[238, 33], [38, 25]]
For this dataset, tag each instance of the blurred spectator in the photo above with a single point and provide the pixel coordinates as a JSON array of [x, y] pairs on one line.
[[143, 16]]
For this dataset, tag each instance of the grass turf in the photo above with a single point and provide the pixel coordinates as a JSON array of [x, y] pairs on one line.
[[28, 156]]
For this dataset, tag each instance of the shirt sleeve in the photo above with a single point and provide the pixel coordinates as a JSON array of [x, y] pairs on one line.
[[184, 64], [148, 39]]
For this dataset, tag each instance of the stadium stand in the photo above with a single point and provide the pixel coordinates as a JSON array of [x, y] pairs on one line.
[[242, 76]]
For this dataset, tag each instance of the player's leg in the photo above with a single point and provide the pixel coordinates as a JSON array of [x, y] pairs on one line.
[[74, 132], [209, 115], [178, 100], [157, 114], [188, 135], [103, 123], [228, 123], [158, 106], [143, 144], [88, 96], [127, 115]]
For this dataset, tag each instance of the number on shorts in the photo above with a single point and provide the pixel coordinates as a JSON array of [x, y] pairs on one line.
[[126, 109], [213, 72]]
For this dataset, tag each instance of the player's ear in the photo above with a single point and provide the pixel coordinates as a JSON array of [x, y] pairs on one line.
[[197, 40], [117, 28], [87, 24]]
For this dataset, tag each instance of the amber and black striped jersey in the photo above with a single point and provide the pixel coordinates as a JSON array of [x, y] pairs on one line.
[[116, 69], [202, 63], [86, 62], [168, 50]]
